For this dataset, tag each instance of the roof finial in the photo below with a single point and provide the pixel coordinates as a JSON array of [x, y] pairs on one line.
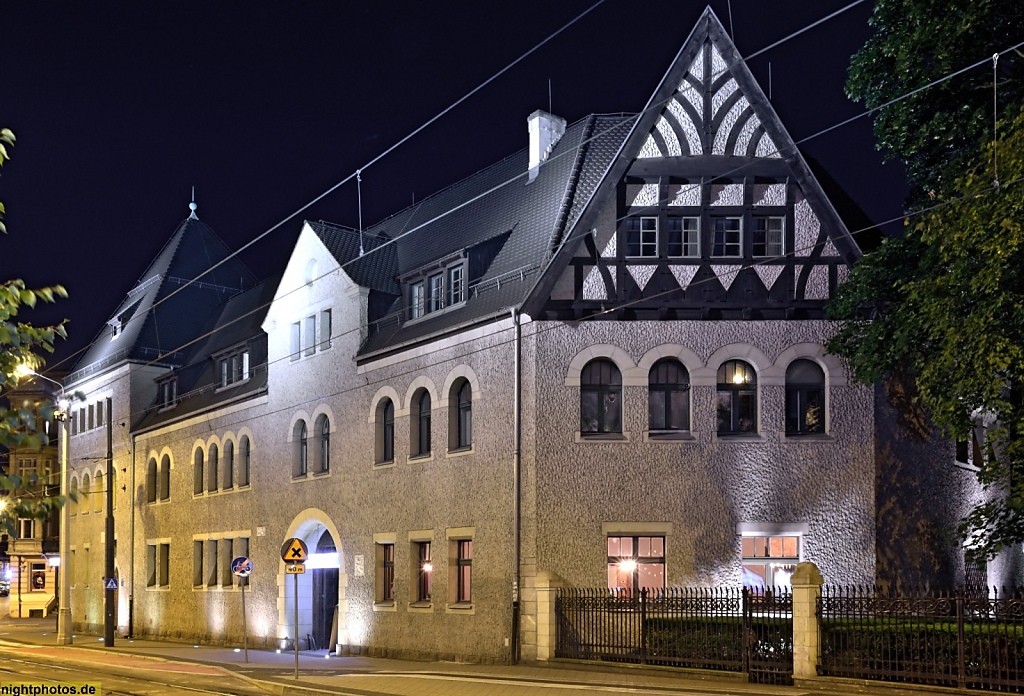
[[192, 206]]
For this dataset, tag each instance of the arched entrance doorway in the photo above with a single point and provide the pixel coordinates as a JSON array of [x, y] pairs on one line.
[[324, 562]]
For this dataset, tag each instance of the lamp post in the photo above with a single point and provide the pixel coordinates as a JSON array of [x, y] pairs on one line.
[[63, 588]]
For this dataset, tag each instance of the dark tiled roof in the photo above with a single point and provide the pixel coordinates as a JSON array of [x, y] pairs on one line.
[[160, 323], [375, 270], [236, 322], [497, 201]]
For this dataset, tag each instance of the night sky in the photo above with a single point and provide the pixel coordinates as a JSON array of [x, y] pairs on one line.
[[120, 108]]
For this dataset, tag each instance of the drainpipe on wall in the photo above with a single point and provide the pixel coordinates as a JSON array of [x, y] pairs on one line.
[[131, 549], [516, 467]]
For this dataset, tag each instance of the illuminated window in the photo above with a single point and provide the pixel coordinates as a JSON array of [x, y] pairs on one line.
[[600, 398], [464, 571], [737, 398], [424, 571], [805, 398], [769, 561], [636, 562]]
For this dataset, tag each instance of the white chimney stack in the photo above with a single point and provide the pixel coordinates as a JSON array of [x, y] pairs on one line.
[[545, 130]]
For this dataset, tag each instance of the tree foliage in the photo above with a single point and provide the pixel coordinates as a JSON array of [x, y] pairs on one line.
[[20, 343], [946, 314], [938, 312], [937, 132]]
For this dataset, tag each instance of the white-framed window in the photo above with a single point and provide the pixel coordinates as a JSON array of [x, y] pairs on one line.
[[310, 337], [768, 236], [636, 562], [234, 366], [325, 329], [728, 237], [456, 285], [435, 293], [26, 528], [642, 236], [683, 237], [417, 300], [169, 392], [770, 560]]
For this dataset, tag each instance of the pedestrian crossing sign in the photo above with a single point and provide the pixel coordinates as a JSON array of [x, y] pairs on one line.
[[111, 583]]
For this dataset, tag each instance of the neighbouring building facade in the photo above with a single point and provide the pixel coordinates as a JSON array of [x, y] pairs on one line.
[[601, 359]]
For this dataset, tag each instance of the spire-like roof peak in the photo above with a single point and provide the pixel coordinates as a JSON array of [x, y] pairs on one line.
[[192, 206]]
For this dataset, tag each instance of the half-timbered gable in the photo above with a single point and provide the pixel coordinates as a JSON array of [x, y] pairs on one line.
[[708, 212]]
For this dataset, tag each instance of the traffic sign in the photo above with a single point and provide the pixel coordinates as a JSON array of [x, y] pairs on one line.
[[111, 584], [294, 551], [241, 566], [294, 569]]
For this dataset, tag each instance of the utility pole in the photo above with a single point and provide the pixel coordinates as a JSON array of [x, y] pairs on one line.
[[111, 610]]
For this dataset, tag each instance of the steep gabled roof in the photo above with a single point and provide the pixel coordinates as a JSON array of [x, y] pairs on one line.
[[154, 322], [707, 118]]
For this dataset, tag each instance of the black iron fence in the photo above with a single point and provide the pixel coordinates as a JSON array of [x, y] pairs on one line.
[[965, 638], [729, 629]]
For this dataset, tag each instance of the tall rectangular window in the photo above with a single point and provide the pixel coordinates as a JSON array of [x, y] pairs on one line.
[[728, 237], [91, 417], [245, 364], [151, 565], [164, 565], [464, 570], [642, 237], [769, 236], [211, 562], [226, 556], [435, 292], [310, 329], [683, 237], [417, 300], [456, 285], [197, 563], [325, 329], [385, 573], [296, 341], [222, 371], [424, 571], [99, 413]]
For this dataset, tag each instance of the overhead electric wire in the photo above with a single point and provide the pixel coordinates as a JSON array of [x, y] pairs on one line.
[[555, 325], [570, 152]]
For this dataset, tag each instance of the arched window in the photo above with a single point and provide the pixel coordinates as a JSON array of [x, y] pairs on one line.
[[460, 415], [300, 467], [229, 464], [212, 466], [325, 444], [737, 398], [197, 473], [805, 398], [86, 492], [668, 396], [165, 478], [98, 492], [74, 496], [385, 431], [600, 398], [419, 424], [244, 469], [151, 480]]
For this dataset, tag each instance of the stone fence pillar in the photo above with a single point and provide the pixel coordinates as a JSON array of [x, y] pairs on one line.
[[806, 583], [546, 583]]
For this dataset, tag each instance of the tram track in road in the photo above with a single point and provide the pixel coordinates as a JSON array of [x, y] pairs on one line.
[[19, 669]]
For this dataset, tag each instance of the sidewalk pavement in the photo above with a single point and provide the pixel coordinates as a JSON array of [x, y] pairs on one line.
[[321, 673]]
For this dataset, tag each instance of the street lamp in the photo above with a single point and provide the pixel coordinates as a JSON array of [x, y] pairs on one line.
[[63, 588]]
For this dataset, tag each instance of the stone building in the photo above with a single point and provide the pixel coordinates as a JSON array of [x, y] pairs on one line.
[[600, 358]]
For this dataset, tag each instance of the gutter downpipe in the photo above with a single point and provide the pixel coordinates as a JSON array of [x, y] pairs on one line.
[[517, 436], [131, 536]]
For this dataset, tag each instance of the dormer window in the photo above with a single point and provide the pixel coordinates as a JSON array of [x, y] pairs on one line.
[[169, 393], [115, 328], [233, 367], [436, 289]]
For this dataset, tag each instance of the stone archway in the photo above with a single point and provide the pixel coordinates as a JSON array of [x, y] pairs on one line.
[[315, 589]]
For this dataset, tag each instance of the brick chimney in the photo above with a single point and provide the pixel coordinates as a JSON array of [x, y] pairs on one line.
[[545, 130]]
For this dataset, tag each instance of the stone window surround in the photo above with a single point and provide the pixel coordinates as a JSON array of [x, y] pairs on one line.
[[220, 442], [312, 440], [382, 539], [704, 373]]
